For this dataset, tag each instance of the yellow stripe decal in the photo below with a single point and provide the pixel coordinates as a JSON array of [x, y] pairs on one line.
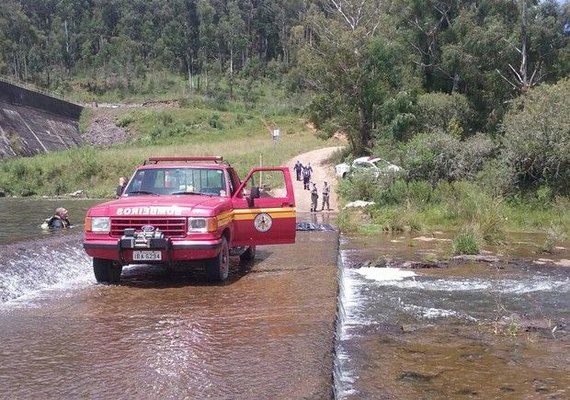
[[288, 212], [225, 218]]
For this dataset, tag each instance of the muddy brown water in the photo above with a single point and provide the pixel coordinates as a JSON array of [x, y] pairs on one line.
[[305, 321], [268, 332], [464, 330]]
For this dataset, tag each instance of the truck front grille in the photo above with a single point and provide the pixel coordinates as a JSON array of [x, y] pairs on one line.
[[171, 227]]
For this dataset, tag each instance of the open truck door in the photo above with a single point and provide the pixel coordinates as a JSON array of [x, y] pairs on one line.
[[264, 208]]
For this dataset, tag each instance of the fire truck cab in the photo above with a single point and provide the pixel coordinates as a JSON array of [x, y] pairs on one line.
[[190, 211]]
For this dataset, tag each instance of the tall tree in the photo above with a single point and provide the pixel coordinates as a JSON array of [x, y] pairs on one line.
[[348, 68]]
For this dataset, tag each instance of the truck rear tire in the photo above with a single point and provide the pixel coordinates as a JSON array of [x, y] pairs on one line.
[[218, 268], [106, 271]]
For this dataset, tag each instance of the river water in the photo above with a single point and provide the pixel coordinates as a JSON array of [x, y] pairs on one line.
[[307, 321], [463, 330]]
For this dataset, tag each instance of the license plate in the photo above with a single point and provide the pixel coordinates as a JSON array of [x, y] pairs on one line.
[[147, 255]]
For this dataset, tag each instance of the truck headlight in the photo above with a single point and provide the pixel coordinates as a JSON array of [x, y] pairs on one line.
[[98, 224], [202, 225]]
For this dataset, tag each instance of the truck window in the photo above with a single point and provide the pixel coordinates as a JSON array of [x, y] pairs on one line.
[[176, 180], [270, 183]]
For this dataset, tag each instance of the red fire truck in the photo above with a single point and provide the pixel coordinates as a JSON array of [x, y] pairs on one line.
[[189, 211]]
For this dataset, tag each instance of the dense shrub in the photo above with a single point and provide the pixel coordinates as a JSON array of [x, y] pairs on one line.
[[536, 138], [359, 187], [474, 152], [432, 157], [496, 178], [441, 112], [400, 192]]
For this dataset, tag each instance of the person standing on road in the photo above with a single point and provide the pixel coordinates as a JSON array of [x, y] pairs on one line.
[[326, 192], [306, 178], [310, 169], [298, 169], [314, 197]]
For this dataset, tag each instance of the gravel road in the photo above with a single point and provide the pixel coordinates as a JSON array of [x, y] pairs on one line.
[[322, 171]]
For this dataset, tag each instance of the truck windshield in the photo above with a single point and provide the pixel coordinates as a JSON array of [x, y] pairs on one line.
[[178, 181]]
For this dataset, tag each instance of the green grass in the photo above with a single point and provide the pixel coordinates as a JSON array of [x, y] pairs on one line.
[[490, 220], [467, 242], [243, 141]]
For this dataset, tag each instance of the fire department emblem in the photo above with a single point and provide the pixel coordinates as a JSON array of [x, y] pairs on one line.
[[262, 222]]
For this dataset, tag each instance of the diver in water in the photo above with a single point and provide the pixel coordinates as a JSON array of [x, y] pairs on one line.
[[60, 220]]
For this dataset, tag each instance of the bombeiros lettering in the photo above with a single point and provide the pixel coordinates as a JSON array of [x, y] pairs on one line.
[[156, 210]]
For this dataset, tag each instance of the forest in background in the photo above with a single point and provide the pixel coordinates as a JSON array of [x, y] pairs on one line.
[[452, 90]]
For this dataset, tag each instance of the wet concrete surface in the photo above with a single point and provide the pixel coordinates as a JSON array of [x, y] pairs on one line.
[[266, 333]]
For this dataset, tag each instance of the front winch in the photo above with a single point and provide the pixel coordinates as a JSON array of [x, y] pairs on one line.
[[146, 239]]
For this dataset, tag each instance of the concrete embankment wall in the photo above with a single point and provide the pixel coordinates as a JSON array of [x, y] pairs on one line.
[[33, 123]]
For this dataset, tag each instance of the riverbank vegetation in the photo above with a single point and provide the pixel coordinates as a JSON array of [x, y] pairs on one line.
[[469, 98], [244, 139]]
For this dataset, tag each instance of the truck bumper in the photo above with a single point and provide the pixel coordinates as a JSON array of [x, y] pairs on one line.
[[170, 250]]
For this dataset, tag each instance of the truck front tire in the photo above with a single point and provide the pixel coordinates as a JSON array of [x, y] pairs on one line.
[[106, 271], [218, 268]]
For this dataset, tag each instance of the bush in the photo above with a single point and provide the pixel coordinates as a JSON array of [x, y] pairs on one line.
[[475, 151], [215, 121], [432, 157], [496, 178], [442, 112], [359, 187], [466, 202], [466, 242], [125, 120], [415, 193], [399, 219], [536, 137]]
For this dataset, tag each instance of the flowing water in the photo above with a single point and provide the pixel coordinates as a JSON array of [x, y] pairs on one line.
[[266, 333], [494, 330], [465, 330]]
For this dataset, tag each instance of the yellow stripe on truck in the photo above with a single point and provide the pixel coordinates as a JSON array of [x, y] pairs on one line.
[[288, 212]]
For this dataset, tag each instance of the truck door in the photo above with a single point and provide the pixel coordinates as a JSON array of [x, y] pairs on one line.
[[264, 208]]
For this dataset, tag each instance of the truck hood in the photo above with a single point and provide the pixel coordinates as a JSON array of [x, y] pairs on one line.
[[159, 206]]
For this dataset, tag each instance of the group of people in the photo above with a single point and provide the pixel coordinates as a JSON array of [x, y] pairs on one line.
[[304, 173]]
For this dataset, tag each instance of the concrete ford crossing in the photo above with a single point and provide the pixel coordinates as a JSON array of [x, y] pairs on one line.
[[188, 211]]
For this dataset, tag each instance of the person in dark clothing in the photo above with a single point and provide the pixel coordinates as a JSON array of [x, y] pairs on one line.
[[310, 169], [59, 220], [306, 178], [314, 197], [121, 187], [326, 192], [298, 169]]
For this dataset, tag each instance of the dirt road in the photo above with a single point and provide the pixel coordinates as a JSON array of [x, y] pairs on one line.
[[322, 171]]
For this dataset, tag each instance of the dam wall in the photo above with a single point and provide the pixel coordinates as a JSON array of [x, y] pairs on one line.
[[33, 123]]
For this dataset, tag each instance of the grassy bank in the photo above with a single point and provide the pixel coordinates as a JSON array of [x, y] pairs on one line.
[[477, 216], [243, 138]]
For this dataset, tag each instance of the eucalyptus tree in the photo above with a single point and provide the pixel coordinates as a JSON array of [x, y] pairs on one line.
[[349, 68]]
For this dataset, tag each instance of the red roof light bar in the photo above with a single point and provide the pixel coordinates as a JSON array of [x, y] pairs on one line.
[[155, 160]]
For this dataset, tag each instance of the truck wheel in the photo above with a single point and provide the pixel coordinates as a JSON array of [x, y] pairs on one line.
[[218, 268], [247, 256], [106, 271]]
